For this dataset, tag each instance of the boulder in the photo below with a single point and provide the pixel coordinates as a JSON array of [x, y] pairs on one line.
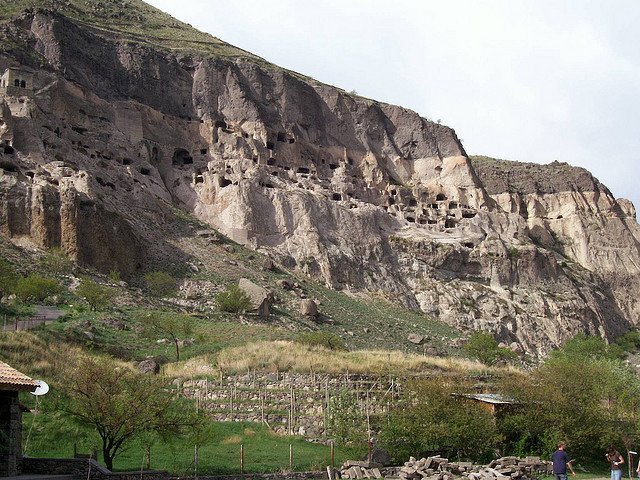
[[260, 298], [308, 308], [415, 338], [148, 366]]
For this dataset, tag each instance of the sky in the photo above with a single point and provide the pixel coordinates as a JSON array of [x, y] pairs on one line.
[[527, 80]]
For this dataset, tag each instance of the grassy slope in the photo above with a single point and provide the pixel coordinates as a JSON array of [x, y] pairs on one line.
[[131, 19]]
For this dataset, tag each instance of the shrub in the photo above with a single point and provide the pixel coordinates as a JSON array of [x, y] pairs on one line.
[[96, 295], [483, 347], [346, 422], [326, 340], [8, 278], [36, 288], [114, 276], [57, 262], [430, 419], [160, 284], [233, 300]]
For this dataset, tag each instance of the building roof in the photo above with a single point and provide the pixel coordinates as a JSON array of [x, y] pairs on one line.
[[11, 379], [21, 69], [493, 398]]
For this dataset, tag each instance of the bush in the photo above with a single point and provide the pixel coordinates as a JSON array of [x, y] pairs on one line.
[[326, 340], [346, 422], [429, 419], [114, 276], [233, 300], [8, 278], [96, 295], [483, 347], [57, 262], [160, 284], [36, 288]]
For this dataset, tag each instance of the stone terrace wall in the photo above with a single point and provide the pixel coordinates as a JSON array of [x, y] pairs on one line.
[[84, 468], [288, 403]]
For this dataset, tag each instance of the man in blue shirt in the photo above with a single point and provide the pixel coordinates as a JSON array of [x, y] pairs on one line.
[[561, 461]]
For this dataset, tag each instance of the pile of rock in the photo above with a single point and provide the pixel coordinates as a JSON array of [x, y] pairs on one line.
[[439, 468]]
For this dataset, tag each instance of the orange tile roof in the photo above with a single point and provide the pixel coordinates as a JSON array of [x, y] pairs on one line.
[[12, 379]]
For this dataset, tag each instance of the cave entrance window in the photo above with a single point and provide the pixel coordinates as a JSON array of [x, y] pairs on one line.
[[220, 124], [431, 222], [303, 170], [154, 155], [413, 202], [441, 197], [453, 205], [336, 196], [271, 161], [126, 161], [203, 151], [411, 220], [449, 223], [224, 182], [199, 178], [8, 149], [333, 166], [181, 157], [16, 83], [282, 137], [145, 171], [23, 84], [468, 214], [270, 145]]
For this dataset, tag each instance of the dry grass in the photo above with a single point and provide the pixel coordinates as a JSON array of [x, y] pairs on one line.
[[232, 440], [294, 357]]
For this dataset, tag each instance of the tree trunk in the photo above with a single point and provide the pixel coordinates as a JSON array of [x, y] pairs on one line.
[[108, 458], [177, 350]]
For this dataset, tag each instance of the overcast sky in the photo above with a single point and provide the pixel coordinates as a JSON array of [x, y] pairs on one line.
[[534, 80]]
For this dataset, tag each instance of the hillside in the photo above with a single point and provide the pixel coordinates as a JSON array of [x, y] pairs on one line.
[[133, 131]]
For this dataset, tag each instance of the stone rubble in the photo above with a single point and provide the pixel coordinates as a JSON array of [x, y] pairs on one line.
[[439, 468]]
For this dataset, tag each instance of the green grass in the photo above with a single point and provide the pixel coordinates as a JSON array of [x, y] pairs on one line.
[[54, 436], [210, 335]]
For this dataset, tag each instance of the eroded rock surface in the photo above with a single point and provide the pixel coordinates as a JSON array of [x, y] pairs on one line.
[[110, 136]]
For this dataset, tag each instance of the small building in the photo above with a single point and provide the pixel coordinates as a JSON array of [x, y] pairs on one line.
[[17, 81], [11, 383]]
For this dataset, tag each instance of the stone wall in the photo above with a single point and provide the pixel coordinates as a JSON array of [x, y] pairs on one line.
[[84, 468], [288, 403], [10, 433]]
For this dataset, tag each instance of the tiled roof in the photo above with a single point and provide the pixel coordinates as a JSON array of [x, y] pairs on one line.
[[12, 379]]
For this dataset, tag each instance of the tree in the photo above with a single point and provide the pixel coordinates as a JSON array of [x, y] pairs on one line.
[[233, 300], [160, 284], [8, 278], [36, 288], [166, 324], [583, 393], [483, 347], [97, 296], [57, 262], [429, 419], [122, 404], [345, 420]]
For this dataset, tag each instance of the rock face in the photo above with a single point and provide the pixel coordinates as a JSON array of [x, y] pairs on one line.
[[110, 135]]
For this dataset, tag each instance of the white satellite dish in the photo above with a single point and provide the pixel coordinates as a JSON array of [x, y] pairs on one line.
[[42, 389]]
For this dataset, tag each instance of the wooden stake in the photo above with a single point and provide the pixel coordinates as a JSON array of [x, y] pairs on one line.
[[291, 457], [241, 459]]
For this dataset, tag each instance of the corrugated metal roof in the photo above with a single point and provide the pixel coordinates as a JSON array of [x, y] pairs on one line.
[[494, 398], [12, 379]]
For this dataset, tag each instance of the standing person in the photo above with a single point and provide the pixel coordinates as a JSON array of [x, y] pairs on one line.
[[615, 459], [561, 461]]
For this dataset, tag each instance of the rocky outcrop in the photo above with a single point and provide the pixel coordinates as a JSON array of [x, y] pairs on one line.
[[114, 135]]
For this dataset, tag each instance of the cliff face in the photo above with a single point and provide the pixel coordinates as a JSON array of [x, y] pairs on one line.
[[112, 133]]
